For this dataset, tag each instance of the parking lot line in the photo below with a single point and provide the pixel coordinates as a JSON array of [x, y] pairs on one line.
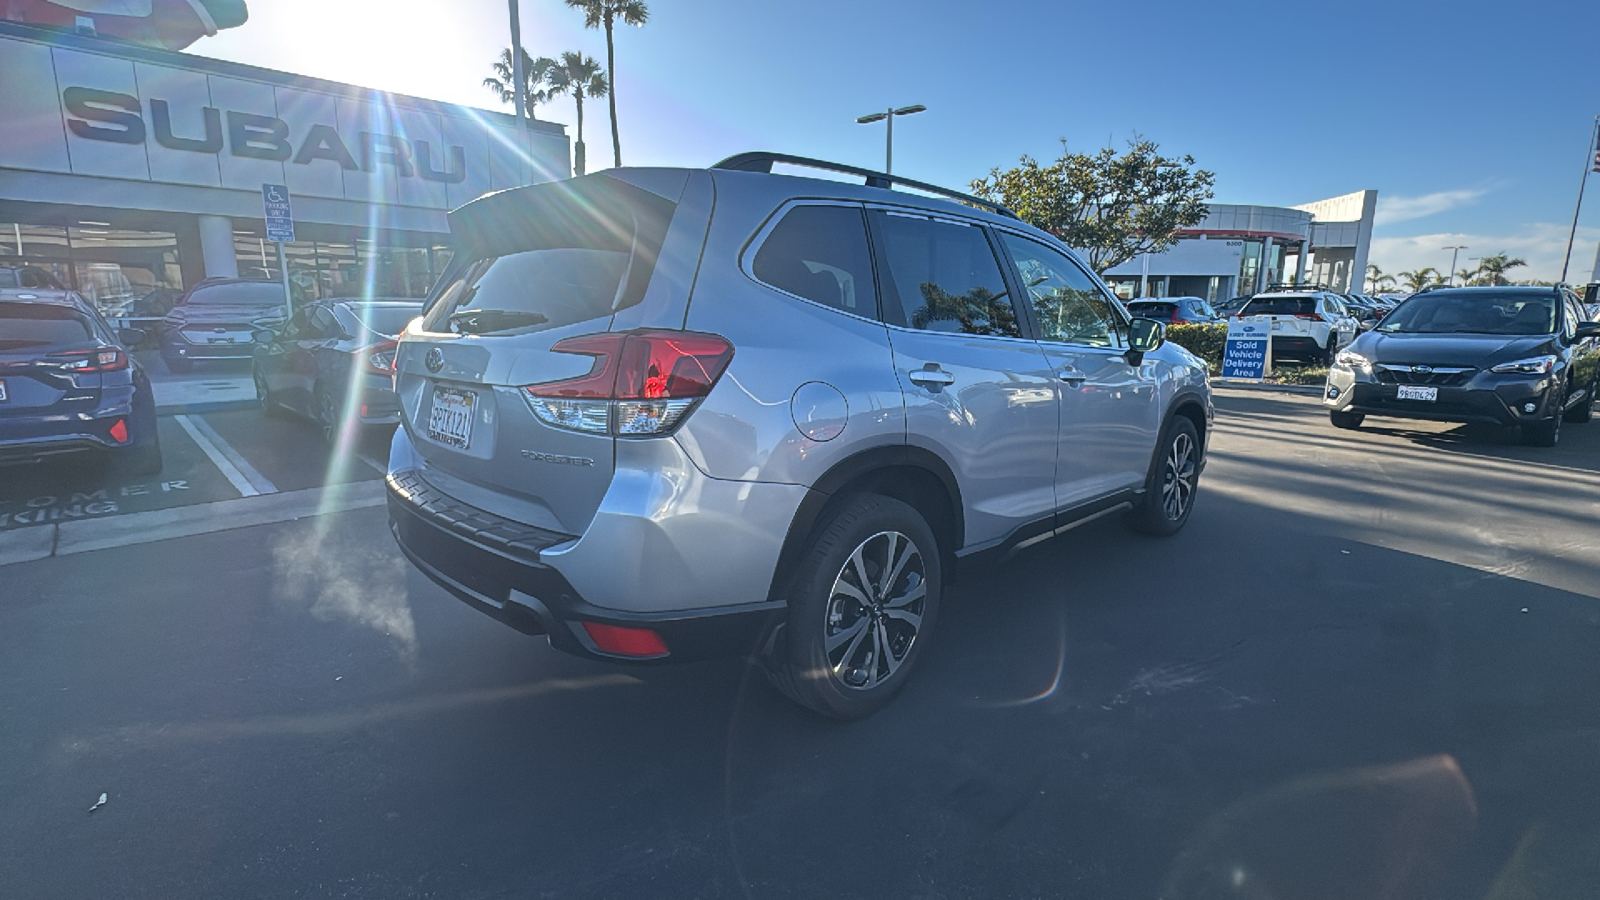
[[243, 476]]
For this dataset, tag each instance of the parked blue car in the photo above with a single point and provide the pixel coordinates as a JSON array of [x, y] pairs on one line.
[[69, 386], [215, 318]]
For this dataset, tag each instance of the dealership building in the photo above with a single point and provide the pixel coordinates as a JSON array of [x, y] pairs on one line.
[[129, 172], [1240, 250]]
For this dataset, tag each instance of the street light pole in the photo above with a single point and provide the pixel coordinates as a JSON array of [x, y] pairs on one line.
[[889, 114], [516, 64], [1453, 251]]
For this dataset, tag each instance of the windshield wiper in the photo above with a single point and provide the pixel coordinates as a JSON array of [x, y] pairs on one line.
[[483, 321]]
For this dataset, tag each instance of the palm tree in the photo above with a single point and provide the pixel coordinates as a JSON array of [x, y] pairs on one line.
[[581, 77], [533, 75], [604, 14], [1421, 278], [1465, 276], [1494, 268], [1378, 278]]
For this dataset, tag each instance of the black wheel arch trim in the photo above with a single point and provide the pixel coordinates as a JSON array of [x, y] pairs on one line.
[[845, 472]]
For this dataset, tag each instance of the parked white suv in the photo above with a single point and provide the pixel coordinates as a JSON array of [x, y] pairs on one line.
[[1308, 325], [654, 433]]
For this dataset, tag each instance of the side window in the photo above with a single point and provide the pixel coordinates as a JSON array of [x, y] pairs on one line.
[[296, 328], [1067, 303], [1572, 317], [942, 276], [820, 253], [319, 324]]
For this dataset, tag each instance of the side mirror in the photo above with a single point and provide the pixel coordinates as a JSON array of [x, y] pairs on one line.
[[131, 337], [1587, 330], [263, 335], [1145, 335]]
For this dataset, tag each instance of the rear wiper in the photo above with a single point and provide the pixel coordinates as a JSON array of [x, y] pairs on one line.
[[483, 321]]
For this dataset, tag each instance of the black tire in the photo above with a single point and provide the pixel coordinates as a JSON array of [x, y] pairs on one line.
[[851, 680], [1584, 411], [326, 411], [1330, 351], [1173, 481], [1543, 434], [142, 459], [1348, 420], [264, 397], [178, 365]]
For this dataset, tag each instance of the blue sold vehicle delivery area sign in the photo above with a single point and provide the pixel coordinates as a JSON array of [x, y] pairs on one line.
[[280, 220], [1248, 350]]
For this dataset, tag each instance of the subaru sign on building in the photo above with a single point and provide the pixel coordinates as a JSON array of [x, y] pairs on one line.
[[131, 172]]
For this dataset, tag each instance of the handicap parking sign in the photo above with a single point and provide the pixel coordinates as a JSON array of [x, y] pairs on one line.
[[280, 220]]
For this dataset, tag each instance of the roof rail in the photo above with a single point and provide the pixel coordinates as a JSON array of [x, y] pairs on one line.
[[762, 161], [1301, 286]]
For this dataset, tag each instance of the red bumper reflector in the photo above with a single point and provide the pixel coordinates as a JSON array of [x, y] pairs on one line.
[[640, 642], [119, 431]]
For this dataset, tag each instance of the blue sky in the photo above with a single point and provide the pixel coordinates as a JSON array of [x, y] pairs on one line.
[[1470, 119]]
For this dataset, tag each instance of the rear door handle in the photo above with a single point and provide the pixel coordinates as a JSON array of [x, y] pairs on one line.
[[931, 377], [1072, 376]]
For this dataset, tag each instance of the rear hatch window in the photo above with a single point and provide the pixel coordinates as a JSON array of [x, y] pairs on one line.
[[544, 257], [263, 293], [27, 326], [1280, 306], [1152, 310]]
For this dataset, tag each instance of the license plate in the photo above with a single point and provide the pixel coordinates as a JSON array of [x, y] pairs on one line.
[[2, 390], [450, 421], [1412, 392]]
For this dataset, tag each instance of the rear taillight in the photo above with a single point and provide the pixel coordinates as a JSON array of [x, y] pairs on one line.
[[108, 359], [642, 383], [378, 359], [1315, 317]]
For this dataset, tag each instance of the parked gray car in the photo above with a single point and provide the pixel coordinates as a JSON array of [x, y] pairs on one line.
[[660, 414], [333, 362]]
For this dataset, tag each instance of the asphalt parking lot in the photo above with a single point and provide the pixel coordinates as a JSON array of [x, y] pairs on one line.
[[1367, 668]]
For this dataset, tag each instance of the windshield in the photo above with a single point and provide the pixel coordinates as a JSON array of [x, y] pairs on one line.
[[239, 293], [1473, 313], [25, 325]]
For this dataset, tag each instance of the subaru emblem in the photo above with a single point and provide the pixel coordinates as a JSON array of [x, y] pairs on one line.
[[1420, 370], [434, 360]]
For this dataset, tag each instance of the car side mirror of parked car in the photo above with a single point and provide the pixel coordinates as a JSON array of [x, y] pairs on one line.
[[263, 335], [1144, 335], [1587, 330], [131, 337]]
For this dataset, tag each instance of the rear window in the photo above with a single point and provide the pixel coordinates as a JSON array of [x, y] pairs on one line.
[[550, 255], [1280, 306], [820, 253], [27, 325], [385, 320], [259, 293], [1151, 309]]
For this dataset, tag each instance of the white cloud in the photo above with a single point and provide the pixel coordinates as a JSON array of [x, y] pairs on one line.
[[1542, 244], [1404, 209]]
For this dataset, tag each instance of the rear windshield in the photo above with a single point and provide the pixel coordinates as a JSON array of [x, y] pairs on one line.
[[1280, 306], [26, 325], [1140, 309], [550, 255], [385, 320], [258, 293], [1473, 313]]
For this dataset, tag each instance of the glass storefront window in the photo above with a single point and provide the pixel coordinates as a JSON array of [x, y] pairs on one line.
[[126, 273], [400, 265]]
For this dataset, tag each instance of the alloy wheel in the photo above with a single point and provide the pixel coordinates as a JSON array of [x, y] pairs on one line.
[[875, 610], [1178, 477]]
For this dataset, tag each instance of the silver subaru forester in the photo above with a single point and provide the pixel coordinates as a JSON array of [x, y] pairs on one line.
[[663, 414]]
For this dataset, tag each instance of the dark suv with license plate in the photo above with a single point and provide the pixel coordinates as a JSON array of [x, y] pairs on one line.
[[1520, 356]]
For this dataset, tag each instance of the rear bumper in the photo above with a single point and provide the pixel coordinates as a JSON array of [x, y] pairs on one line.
[[29, 438], [494, 565]]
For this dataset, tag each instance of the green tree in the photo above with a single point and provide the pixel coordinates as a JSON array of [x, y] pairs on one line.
[[579, 76], [605, 14], [1378, 280], [1421, 278], [533, 75], [1493, 269], [1466, 276], [1110, 206]]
